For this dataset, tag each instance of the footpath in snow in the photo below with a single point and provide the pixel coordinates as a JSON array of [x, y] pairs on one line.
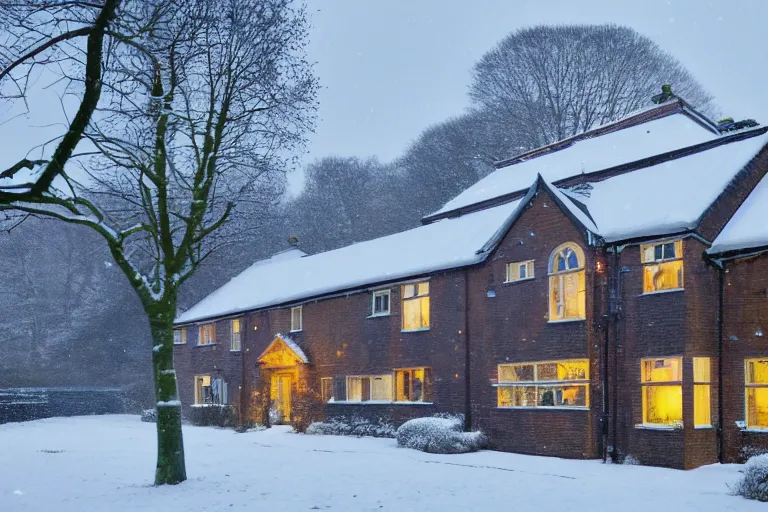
[[106, 463]]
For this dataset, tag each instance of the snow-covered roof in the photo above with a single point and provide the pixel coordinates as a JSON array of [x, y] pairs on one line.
[[295, 348], [448, 243], [589, 155], [664, 198], [748, 228]]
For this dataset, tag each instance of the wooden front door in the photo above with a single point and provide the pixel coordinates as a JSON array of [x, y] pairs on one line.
[[280, 395]]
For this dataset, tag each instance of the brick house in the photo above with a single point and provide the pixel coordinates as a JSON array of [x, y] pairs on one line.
[[599, 297]]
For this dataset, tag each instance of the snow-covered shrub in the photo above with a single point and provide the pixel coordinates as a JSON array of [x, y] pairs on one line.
[[149, 415], [630, 460], [749, 451], [355, 426], [439, 435], [212, 415], [754, 483]]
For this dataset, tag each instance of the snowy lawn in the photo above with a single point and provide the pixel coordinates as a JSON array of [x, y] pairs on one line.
[[105, 463]]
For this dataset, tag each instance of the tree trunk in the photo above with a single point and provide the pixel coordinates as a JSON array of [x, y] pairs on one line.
[[170, 444]]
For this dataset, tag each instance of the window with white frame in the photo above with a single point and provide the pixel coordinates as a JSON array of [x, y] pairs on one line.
[[415, 299], [180, 336], [519, 271], [661, 381], [209, 391], [206, 334], [296, 319], [756, 392], [567, 283], [326, 389], [365, 388], [380, 303], [702, 381], [662, 266], [544, 384], [413, 385], [236, 343]]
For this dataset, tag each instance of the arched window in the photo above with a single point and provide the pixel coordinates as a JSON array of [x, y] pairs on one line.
[[567, 286]]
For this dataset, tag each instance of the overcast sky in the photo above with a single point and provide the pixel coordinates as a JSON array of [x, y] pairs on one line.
[[390, 68]]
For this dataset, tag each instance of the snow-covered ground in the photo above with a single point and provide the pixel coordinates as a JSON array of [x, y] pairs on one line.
[[105, 463]]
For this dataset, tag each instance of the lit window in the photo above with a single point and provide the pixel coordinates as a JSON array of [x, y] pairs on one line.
[[236, 336], [180, 336], [702, 416], [380, 305], [415, 306], [296, 320], [326, 389], [545, 384], [519, 270], [662, 386], [210, 391], [369, 387], [411, 385], [662, 266], [756, 380], [567, 286], [207, 334]]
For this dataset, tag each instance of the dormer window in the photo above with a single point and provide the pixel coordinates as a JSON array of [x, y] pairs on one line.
[[662, 266]]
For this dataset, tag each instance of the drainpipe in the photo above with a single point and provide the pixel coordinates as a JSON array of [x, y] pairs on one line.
[[467, 386], [604, 355], [615, 316], [720, 309], [244, 330]]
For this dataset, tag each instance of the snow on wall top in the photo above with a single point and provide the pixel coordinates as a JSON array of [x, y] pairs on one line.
[[445, 244], [586, 156], [668, 197], [748, 227]]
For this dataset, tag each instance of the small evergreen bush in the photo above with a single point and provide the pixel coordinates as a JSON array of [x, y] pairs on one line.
[[439, 435], [754, 483]]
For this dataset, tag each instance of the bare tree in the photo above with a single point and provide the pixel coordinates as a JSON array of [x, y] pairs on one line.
[[551, 82], [197, 115], [37, 35]]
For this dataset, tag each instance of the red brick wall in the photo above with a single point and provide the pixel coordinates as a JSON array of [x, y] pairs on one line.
[[745, 311], [513, 327], [216, 360]]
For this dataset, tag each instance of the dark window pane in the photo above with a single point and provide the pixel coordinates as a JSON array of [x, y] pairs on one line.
[[573, 260], [658, 252], [669, 250]]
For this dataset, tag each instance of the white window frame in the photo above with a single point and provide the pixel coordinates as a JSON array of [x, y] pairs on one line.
[[513, 271], [415, 297], [326, 399], [220, 397], [751, 385], [557, 279], [211, 338], [236, 341], [180, 336], [300, 311], [537, 383], [371, 378], [381, 293], [670, 383], [677, 242]]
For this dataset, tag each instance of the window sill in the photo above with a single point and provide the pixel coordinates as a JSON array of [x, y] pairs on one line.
[[703, 427], [520, 280], [664, 428], [543, 408], [659, 292], [177, 344], [375, 402], [206, 344], [566, 320], [415, 330], [379, 315], [293, 331], [755, 430], [235, 350]]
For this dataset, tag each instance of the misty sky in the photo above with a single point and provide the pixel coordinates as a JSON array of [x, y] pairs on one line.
[[390, 68]]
